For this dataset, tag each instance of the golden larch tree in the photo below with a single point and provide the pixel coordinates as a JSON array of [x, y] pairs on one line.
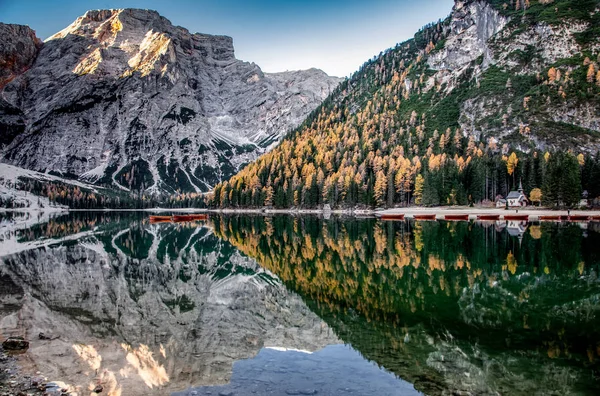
[[511, 163], [418, 194], [552, 74], [535, 195], [380, 188], [591, 73]]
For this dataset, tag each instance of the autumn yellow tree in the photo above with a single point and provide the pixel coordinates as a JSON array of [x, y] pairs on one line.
[[404, 179], [418, 194], [268, 192], [380, 188], [511, 164], [552, 74], [511, 263], [535, 195], [443, 141], [591, 73], [535, 232]]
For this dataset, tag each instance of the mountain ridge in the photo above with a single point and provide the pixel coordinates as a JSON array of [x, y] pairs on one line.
[[125, 99]]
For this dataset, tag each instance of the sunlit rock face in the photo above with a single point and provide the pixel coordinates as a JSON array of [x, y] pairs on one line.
[[123, 97], [148, 310]]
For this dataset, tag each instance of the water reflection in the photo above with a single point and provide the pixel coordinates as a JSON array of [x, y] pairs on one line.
[[480, 308], [332, 371], [140, 308]]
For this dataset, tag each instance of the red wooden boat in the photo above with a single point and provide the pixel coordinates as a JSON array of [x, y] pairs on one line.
[[425, 217], [550, 218], [516, 217], [392, 217], [579, 218], [160, 219], [200, 217], [489, 217], [457, 217], [194, 217], [596, 218]]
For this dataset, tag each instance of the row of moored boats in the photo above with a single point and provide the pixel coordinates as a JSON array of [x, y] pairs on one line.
[[491, 217]]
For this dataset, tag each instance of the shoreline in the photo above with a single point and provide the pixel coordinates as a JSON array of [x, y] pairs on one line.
[[440, 212], [533, 212], [15, 379]]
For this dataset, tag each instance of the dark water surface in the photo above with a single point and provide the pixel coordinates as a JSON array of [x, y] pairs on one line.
[[287, 305]]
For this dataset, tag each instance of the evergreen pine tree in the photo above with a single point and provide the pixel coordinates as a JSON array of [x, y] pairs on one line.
[[570, 182]]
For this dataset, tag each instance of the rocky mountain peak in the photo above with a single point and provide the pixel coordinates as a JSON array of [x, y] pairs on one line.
[[121, 42], [127, 99], [104, 25]]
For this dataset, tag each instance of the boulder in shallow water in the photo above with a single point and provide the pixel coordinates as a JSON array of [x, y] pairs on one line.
[[15, 344]]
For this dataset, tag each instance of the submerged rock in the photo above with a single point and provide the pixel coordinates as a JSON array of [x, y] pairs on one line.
[[15, 344]]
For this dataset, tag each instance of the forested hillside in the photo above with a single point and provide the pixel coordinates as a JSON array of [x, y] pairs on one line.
[[497, 93]]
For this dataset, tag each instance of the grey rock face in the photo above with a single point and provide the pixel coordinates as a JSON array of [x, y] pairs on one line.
[[477, 37], [551, 43], [18, 51], [19, 48], [124, 97], [472, 26]]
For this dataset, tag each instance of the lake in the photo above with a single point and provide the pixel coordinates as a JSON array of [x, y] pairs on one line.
[[285, 305]]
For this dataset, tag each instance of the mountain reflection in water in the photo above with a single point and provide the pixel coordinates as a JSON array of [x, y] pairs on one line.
[[145, 308]]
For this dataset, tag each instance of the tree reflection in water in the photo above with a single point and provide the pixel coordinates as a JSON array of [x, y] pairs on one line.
[[484, 308], [445, 305]]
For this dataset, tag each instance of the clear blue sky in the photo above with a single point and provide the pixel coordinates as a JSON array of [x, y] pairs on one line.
[[336, 36]]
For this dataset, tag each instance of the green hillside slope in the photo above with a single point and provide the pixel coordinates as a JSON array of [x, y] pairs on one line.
[[499, 92]]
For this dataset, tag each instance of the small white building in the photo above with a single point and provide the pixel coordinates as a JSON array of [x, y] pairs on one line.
[[516, 227], [501, 203], [517, 199]]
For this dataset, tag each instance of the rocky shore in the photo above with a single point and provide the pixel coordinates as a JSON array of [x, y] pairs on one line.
[[14, 382]]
